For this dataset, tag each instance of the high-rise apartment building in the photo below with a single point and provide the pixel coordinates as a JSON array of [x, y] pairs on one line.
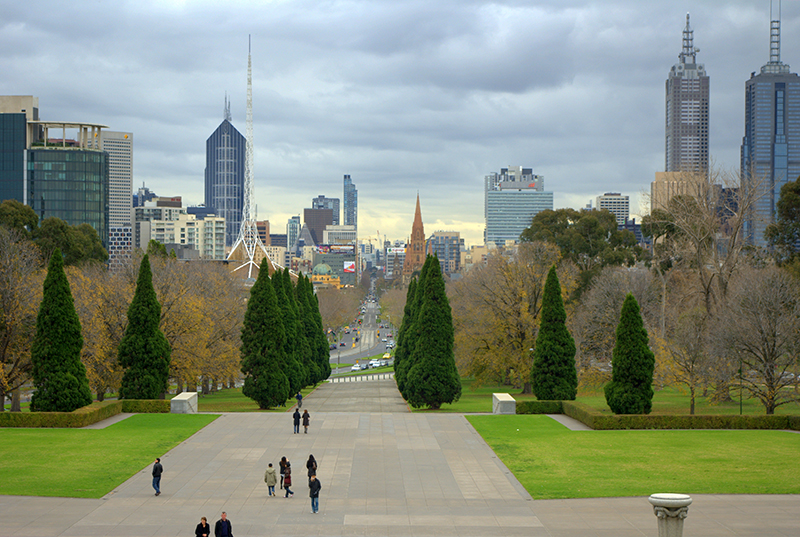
[[771, 145], [686, 137], [321, 202], [447, 246], [512, 198], [616, 204], [225, 156], [119, 146], [165, 220], [350, 199], [293, 227]]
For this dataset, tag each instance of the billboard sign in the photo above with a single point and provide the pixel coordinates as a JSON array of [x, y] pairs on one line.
[[349, 266]]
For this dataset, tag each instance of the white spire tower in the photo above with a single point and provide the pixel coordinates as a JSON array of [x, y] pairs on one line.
[[248, 247]]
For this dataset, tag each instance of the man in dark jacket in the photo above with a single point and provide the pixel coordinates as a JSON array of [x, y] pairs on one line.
[[157, 470], [296, 417], [223, 526], [314, 486]]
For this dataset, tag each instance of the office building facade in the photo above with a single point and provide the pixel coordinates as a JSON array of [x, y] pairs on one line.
[[317, 220], [224, 176], [293, 227], [770, 152], [321, 202], [339, 235], [687, 103], [512, 198], [447, 247], [350, 200], [616, 204]]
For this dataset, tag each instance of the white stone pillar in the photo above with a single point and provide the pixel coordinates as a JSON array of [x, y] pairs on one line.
[[670, 509]]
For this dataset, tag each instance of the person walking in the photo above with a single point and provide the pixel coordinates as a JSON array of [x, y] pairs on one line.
[[299, 398], [223, 526], [202, 529], [271, 479], [287, 480], [157, 471], [296, 417], [312, 466], [306, 419], [314, 486], [282, 465]]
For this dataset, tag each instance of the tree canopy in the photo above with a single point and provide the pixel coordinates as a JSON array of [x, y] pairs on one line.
[[784, 234]]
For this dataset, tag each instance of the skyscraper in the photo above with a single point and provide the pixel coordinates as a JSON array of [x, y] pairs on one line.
[[292, 230], [616, 204], [321, 202], [350, 203], [119, 146], [771, 145], [686, 137], [225, 158], [513, 197]]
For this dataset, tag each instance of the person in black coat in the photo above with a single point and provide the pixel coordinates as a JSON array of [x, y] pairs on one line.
[[223, 527], [157, 471], [202, 529], [314, 486], [306, 419], [311, 465], [282, 469], [296, 417]]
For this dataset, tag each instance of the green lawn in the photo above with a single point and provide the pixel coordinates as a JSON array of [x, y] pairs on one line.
[[552, 462], [666, 401], [86, 463]]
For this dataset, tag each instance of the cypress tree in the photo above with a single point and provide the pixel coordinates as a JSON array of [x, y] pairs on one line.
[[631, 388], [401, 350], [263, 346], [144, 352], [432, 377], [303, 344], [315, 333], [553, 375], [58, 373], [293, 367]]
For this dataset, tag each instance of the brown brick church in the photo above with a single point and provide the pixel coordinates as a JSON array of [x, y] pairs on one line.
[[415, 249]]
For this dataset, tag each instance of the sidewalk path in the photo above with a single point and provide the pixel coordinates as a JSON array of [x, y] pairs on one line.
[[383, 474]]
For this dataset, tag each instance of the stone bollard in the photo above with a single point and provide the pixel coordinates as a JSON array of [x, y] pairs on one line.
[[670, 509]]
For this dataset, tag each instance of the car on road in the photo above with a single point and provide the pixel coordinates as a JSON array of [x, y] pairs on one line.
[[364, 365], [375, 362], [355, 368], [341, 344], [383, 340], [333, 346]]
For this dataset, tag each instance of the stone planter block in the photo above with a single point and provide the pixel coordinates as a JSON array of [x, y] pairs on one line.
[[184, 403], [502, 403], [671, 510]]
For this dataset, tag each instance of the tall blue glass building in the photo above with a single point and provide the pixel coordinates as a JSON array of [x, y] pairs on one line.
[[770, 153], [350, 203], [225, 157]]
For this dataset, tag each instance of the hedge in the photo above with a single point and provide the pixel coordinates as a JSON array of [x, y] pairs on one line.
[[84, 416], [605, 422], [539, 407]]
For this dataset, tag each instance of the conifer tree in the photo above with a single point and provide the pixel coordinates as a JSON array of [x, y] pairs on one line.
[[405, 340], [553, 375], [630, 390], [302, 345], [263, 345], [315, 334], [58, 374], [432, 377], [144, 352], [293, 367]]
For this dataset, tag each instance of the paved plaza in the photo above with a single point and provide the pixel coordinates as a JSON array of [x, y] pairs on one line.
[[384, 471]]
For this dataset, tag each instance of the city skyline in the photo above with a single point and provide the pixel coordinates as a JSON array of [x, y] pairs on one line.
[[417, 97]]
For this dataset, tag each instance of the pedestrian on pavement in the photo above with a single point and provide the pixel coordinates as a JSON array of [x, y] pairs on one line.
[[271, 479], [202, 529], [287, 480], [306, 419], [282, 465], [296, 417], [299, 398], [157, 471], [223, 526], [314, 486], [311, 465]]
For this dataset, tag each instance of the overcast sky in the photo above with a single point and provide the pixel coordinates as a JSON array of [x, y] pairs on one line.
[[405, 96]]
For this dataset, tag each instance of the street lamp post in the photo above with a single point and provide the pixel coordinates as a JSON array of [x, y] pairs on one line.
[[740, 385]]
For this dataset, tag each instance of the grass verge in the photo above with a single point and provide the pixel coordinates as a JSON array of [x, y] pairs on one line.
[[551, 461], [87, 463]]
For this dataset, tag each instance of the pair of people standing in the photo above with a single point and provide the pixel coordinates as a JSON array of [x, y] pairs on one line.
[[306, 418], [222, 528], [286, 477]]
